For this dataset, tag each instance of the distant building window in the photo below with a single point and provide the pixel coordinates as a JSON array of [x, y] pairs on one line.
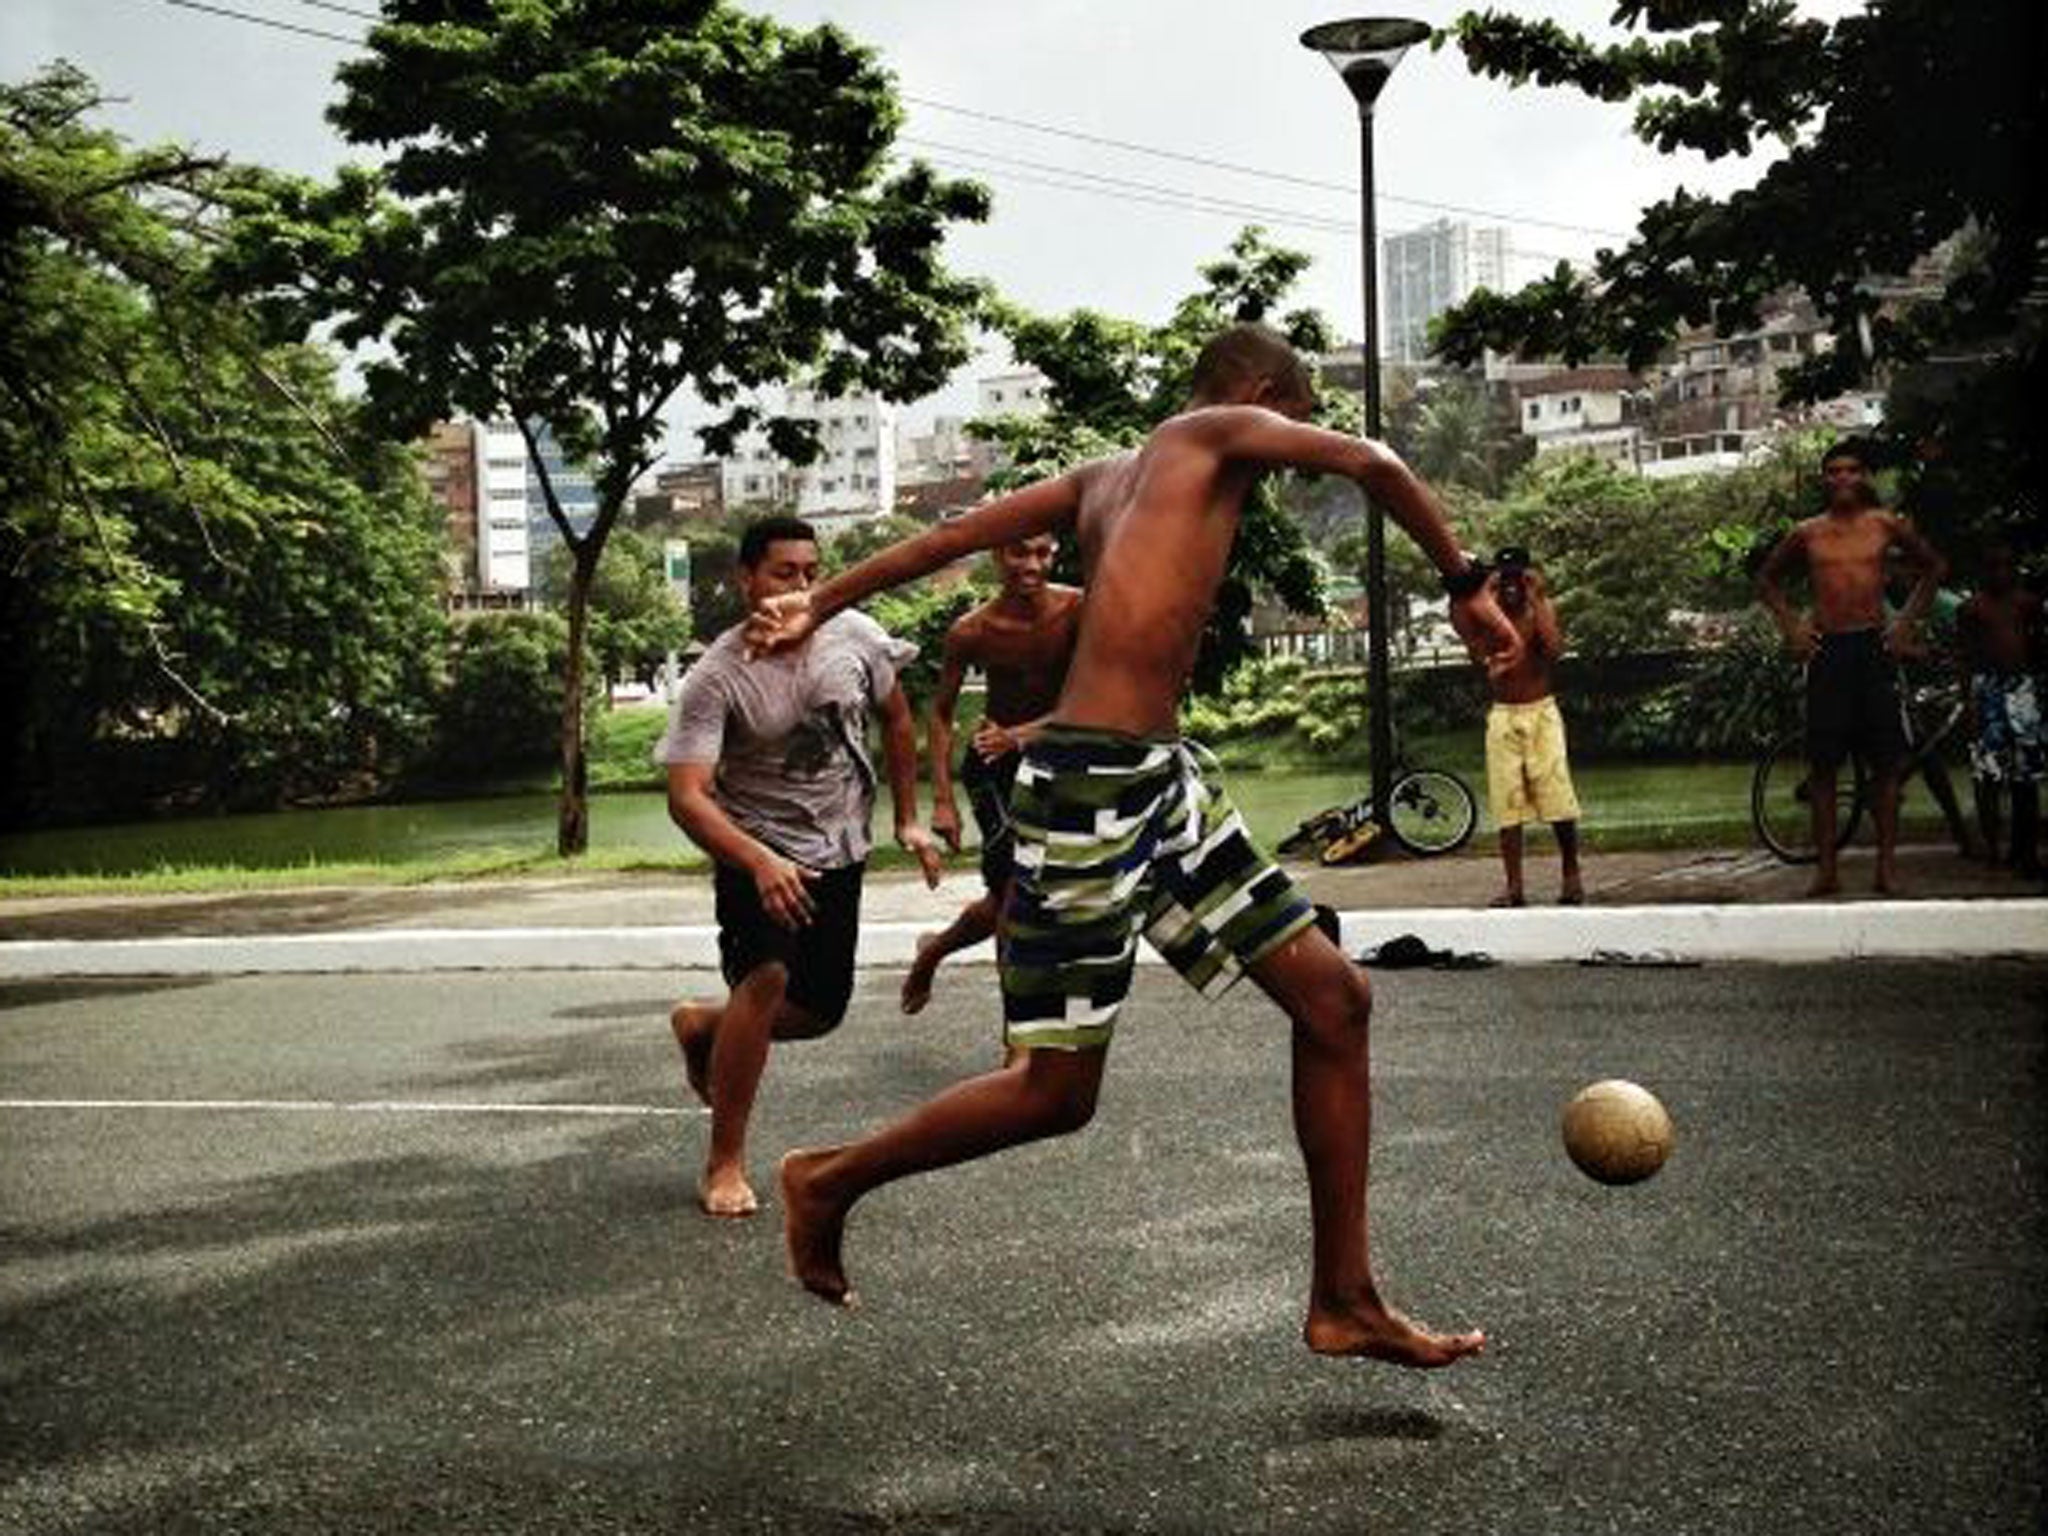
[[1535, 409]]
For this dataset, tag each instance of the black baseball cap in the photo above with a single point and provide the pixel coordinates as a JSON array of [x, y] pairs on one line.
[[1514, 558]]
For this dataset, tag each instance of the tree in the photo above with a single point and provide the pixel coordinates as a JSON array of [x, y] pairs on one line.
[[1910, 126], [588, 205], [864, 538], [635, 620], [498, 715], [216, 585], [715, 602], [1453, 434], [1110, 381]]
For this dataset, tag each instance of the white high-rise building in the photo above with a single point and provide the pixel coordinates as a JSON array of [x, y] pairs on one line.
[[852, 479], [1020, 392], [502, 560], [1423, 272]]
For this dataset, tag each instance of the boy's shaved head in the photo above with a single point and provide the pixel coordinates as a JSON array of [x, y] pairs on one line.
[[1242, 355]]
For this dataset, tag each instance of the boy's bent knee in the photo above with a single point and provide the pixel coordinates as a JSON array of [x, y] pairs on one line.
[[1063, 1087], [798, 1021]]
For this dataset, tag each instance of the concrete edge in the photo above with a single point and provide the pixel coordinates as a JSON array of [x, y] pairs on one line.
[[1787, 933]]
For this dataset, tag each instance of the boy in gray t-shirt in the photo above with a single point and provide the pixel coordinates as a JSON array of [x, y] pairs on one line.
[[768, 772]]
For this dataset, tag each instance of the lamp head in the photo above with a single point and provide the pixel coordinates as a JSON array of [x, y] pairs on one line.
[[1364, 50]]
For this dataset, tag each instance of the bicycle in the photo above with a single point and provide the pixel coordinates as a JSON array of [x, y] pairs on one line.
[[1431, 811], [1781, 797]]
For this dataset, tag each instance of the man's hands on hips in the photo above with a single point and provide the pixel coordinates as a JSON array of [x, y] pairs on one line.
[[1802, 639]]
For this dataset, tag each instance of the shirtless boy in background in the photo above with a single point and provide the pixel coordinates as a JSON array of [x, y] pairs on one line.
[[2004, 642], [1020, 640], [1852, 691], [1117, 830], [1527, 774]]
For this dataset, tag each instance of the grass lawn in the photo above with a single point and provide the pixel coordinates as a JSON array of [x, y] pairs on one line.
[[1627, 805]]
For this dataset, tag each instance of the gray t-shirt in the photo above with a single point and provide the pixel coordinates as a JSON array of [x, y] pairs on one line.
[[788, 732]]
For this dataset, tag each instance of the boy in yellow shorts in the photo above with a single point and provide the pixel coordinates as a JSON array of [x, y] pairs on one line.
[[1527, 776]]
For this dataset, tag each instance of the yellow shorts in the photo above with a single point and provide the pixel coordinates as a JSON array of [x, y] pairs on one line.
[[1527, 778]]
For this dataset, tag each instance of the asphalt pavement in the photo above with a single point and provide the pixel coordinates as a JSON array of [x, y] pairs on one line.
[[417, 1253], [1712, 905]]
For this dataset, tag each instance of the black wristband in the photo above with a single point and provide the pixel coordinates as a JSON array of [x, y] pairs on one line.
[[1469, 580]]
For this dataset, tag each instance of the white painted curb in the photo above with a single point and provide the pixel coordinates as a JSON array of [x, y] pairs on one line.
[[1893, 929]]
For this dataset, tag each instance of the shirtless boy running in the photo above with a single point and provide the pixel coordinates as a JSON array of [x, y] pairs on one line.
[[1852, 694], [1117, 830], [1021, 639]]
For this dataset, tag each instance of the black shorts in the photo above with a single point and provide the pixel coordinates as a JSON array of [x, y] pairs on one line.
[[988, 787], [1852, 702], [819, 959]]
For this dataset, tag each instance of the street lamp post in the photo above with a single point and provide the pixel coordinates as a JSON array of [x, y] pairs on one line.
[[1364, 52]]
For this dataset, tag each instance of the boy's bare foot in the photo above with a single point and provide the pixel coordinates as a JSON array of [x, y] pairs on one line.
[[1507, 899], [725, 1192], [812, 1228], [1887, 884], [917, 984], [1573, 894], [1824, 885], [691, 1023], [1384, 1334]]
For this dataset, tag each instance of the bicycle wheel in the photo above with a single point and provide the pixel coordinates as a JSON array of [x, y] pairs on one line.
[[1431, 811], [1781, 803]]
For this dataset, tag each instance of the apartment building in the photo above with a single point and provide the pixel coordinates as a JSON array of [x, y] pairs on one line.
[[852, 479], [1425, 271]]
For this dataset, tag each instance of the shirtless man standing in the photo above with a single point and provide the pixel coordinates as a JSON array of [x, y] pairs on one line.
[[1021, 640], [1117, 829], [1852, 692], [2000, 631], [1527, 774]]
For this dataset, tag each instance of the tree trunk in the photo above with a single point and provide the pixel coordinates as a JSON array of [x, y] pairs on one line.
[[572, 827]]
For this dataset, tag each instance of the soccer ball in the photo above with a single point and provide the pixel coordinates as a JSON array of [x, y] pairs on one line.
[[1617, 1132]]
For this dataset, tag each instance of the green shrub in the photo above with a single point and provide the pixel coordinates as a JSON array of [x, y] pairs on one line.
[[500, 714]]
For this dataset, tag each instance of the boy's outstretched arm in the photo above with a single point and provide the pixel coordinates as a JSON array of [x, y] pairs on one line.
[[1046, 507], [1260, 436]]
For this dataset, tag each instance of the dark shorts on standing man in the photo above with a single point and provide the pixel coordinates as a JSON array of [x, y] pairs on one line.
[[1852, 702], [1117, 835], [988, 786], [818, 958]]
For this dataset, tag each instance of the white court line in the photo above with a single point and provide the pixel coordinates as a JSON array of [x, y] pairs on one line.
[[351, 1106]]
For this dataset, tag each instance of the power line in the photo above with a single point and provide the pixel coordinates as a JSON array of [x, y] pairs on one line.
[[1166, 197], [1051, 129], [1076, 180], [340, 10], [1250, 170], [264, 21]]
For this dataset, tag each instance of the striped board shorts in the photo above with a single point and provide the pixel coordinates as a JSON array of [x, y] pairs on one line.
[[1118, 834]]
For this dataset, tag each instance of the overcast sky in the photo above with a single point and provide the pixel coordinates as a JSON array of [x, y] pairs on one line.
[[1220, 80]]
